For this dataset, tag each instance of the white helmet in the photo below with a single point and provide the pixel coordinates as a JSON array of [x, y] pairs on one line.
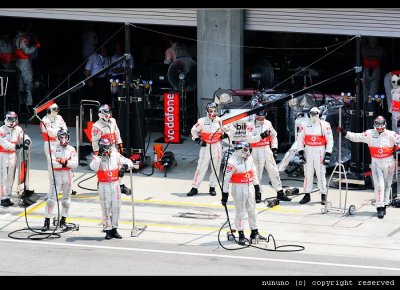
[[395, 81], [315, 114], [212, 110], [105, 112], [11, 119], [380, 124], [260, 115], [53, 110], [105, 147], [63, 137], [243, 149]]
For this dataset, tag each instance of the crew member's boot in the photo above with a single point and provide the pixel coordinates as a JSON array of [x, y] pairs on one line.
[[125, 190], [381, 213], [242, 238], [108, 235], [282, 196], [46, 225], [193, 191], [306, 198], [115, 234], [62, 224], [255, 236], [212, 191], [323, 198], [384, 210]]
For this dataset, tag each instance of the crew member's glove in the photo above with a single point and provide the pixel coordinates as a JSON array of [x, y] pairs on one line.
[[275, 152], [224, 198], [17, 146], [223, 136], [264, 134], [122, 170], [327, 158], [121, 148], [343, 130], [200, 142], [301, 156], [258, 193], [26, 144]]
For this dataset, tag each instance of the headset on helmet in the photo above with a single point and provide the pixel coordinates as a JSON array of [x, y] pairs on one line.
[[380, 124], [105, 146], [313, 111], [63, 137], [105, 112], [53, 109], [243, 148], [11, 119], [395, 80]]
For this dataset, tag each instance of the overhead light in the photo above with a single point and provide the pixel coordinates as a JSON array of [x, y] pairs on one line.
[[222, 96]]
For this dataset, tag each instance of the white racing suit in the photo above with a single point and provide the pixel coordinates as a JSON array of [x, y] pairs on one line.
[[52, 124], [388, 91], [209, 131], [63, 178], [25, 75], [9, 137], [104, 129], [243, 176], [261, 150], [315, 139], [395, 108], [107, 168], [381, 148]]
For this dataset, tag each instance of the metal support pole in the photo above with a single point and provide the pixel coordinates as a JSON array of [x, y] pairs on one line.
[[128, 82], [136, 231]]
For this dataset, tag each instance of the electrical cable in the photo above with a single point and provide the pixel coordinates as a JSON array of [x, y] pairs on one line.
[[39, 235], [295, 248]]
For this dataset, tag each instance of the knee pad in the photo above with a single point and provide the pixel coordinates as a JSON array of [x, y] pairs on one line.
[[50, 202], [66, 203]]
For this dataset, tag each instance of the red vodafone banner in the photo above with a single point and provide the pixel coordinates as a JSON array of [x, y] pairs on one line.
[[171, 118]]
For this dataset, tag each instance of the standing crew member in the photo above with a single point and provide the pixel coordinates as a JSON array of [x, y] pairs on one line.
[[11, 136], [106, 127], [49, 126], [63, 158], [315, 138], [110, 166], [264, 143], [241, 172], [23, 50], [381, 143], [208, 132]]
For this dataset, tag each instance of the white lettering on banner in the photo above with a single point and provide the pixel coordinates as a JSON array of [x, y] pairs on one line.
[[170, 117]]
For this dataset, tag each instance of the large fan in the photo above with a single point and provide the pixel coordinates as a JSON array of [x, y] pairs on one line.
[[263, 74], [182, 74]]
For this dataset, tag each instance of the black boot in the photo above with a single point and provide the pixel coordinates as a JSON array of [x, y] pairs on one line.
[[212, 191], [115, 234], [282, 196], [62, 224], [193, 191], [384, 210], [108, 235], [73, 192], [46, 225], [242, 238], [255, 236], [381, 213], [125, 190], [306, 198], [323, 198], [257, 193], [4, 203]]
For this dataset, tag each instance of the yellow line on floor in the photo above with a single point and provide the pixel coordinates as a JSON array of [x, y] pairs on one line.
[[40, 205], [164, 202]]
